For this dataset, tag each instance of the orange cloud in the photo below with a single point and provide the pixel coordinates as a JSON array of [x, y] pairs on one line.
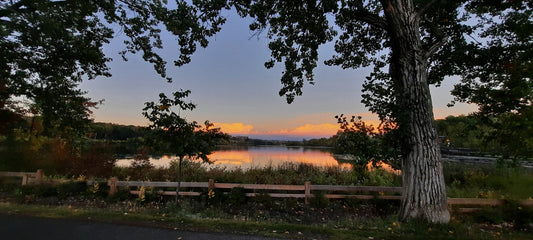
[[325, 129], [235, 128]]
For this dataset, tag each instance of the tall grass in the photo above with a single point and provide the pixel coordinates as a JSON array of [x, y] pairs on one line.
[[287, 173], [488, 181]]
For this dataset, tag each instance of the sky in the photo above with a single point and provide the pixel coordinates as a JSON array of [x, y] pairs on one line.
[[232, 88]]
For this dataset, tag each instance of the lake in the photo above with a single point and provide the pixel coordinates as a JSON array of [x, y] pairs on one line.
[[247, 157]]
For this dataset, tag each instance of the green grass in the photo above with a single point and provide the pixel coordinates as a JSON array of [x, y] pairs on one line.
[[486, 181], [375, 228], [288, 173]]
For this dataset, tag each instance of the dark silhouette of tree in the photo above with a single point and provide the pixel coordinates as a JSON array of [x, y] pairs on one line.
[[171, 133], [410, 44]]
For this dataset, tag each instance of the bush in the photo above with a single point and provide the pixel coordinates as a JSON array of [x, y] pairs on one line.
[[122, 194], [71, 189], [319, 200], [237, 196], [492, 215], [264, 198]]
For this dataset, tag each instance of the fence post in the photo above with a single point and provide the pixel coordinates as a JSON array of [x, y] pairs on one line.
[[24, 179], [307, 187], [39, 176], [211, 186], [112, 183]]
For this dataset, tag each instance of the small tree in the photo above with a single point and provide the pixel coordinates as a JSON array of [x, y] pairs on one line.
[[366, 142], [173, 134]]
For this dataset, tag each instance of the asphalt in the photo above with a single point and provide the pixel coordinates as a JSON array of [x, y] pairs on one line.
[[18, 227]]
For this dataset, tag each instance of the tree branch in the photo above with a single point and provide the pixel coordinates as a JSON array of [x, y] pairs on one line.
[[370, 18], [362, 14], [435, 47], [423, 9]]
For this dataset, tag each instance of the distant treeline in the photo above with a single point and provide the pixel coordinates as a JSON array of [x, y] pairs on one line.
[[132, 135], [454, 131], [111, 131]]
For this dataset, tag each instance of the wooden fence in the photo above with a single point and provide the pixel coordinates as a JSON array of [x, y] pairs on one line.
[[304, 191], [276, 191], [27, 177]]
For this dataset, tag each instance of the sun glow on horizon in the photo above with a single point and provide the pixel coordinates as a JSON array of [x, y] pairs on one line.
[[322, 130]]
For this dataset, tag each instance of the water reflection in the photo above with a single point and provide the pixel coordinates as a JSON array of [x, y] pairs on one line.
[[259, 156]]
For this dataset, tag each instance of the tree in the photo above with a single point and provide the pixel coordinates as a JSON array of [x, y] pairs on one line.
[[416, 40], [496, 74], [49, 46], [173, 134]]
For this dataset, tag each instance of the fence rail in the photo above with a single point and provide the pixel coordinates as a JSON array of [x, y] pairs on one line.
[[27, 177], [276, 191]]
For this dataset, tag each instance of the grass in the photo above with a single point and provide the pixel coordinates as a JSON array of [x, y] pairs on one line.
[[287, 173], [486, 181], [289, 218], [375, 228]]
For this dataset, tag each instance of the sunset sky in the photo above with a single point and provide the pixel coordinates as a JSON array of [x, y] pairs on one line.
[[232, 88]]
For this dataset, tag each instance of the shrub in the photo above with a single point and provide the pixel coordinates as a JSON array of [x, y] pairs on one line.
[[264, 198], [122, 194], [319, 200], [70, 189], [237, 195]]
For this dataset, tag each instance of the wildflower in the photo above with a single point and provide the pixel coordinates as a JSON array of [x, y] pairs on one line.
[[389, 229], [211, 194], [142, 194], [394, 224], [519, 207], [95, 188]]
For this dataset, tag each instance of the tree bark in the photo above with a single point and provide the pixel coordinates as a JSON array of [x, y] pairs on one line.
[[424, 190]]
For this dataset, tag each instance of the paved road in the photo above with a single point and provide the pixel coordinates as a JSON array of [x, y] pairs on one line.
[[33, 228]]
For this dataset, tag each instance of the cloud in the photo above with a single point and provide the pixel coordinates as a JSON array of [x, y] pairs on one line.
[[324, 129], [236, 128]]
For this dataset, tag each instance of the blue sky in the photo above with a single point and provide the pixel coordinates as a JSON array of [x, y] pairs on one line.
[[231, 87]]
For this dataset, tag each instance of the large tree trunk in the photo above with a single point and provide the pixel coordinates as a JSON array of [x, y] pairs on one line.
[[424, 193]]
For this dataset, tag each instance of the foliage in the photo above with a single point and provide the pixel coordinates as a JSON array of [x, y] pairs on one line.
[[173, 134], [289, 173], [319, 200], [462, 132], [487, 181], [366, 143], [110, 131], [506, 135], [141, 165], [48, 47], [237, 196], [96, 161]]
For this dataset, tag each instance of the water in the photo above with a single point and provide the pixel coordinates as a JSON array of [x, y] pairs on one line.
[[258, 157]]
